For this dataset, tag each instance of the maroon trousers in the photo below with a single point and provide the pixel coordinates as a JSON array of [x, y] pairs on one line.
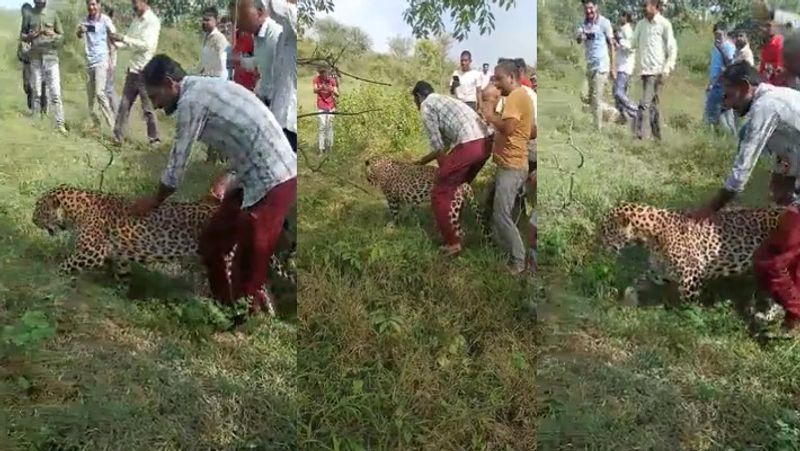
[[776, 263], [255, 232], [460, 166]]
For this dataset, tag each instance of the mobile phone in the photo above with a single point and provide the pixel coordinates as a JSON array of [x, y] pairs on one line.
[[456, 79], [589, 36], [90, 28]]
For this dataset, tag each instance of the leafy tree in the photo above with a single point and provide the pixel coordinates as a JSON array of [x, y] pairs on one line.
[[425, 17], [400, 46], [333, 36]]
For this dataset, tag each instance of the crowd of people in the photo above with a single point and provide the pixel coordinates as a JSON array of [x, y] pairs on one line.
[[241, 102], [486, 115], [760, 98]]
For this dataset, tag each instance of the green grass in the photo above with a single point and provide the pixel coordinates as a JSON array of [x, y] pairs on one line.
[[400, 348], [91, 366], [614, 378]]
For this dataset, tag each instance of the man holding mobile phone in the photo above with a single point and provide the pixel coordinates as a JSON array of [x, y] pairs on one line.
[[95, 30], [466, 82], [44, 33]]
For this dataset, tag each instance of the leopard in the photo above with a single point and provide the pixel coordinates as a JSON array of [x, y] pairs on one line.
[[107, 234], [403, 183], [687, 252]]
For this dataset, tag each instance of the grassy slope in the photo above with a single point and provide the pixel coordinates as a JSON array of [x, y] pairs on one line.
[[614, 378], [149, 373], [399, 348]]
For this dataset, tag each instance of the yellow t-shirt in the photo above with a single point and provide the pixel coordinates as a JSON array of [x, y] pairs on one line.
[[511, 151]]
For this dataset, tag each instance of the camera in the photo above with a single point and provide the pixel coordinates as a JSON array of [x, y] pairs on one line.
[[590, 36], [90, 28], [456, 80]]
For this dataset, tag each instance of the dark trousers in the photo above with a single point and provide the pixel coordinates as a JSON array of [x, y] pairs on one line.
[[134, 87], [255, 231]]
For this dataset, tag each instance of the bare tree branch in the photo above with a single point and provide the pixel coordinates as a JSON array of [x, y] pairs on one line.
[[337, 113], [105, 169], [318, 170]]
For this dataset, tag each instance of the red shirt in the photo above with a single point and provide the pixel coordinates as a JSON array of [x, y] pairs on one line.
[[325, 99], [771, 61], [245, 47]]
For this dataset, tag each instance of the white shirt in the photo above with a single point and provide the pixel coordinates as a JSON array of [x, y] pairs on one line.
[[213, 56], [656, 46], [626, 56], [485, 79], [142, 38], [469, 82], [263, 59], [284, 98]]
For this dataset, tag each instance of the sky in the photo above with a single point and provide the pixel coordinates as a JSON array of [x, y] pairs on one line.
[[514, 35]]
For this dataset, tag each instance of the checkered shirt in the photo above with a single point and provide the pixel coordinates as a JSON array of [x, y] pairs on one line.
[[226, 116], [450, 122]]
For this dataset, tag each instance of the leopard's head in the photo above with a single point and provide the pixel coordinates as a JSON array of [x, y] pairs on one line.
[[375, 168], [49, 212], [616, 230]]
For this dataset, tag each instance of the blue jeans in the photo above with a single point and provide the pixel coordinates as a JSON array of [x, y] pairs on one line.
[[625, 107], [713, 114]]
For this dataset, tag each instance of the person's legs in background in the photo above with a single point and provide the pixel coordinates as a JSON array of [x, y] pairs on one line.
[[52, 75], [148, 111], [322, 120], [646, 119], [129, 92], [596, 85]]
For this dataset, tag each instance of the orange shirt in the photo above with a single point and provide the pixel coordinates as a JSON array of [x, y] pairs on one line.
[[511, 152]]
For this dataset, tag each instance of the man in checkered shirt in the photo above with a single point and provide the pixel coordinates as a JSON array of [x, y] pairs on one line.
[[227, 116], [460, 145], [772, 127]]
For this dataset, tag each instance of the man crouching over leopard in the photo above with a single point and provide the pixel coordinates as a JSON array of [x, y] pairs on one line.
[[460, 145], [222, 114], [774, 127]]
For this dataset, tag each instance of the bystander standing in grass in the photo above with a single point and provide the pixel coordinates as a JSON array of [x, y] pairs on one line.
[[597, 37], [243, 48], [773, 126], [513, 129], [221, 112], [112, 64], [96, 29], [459, 144], [770, 66], [326, 90], [626, 59], [43, 31], [722, 55], [743, 50], [213, 53], [465, 83], [142, 39], [23, 55], [654, 42], [791, 58]]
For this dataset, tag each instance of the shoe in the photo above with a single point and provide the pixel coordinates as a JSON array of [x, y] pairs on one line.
[[790, 328], [451, 250], [155, 142], [61, 129], [516, 269]]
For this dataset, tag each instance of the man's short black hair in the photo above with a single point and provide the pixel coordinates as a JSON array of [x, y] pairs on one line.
[[656, 3], [467, 54], [27, 6], [627, 15], [422, 89], [721, 26], [160, 68], [211, 11], [508, 66], [741, 72]]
